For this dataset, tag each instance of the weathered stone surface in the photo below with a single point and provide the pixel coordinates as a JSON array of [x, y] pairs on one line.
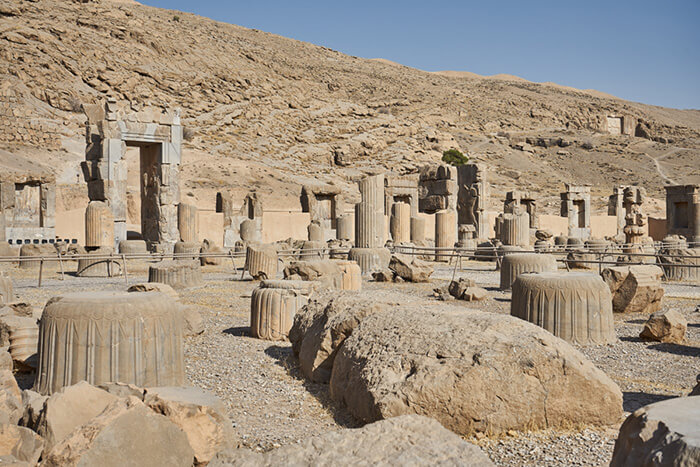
[[410, 268], [209, 248], [193, 323], [177, 274], [70, 408], [405, 440], [33, 403], [126, 433], [665, 433], [325, 271], [574, 306], [200, 414], [272, 311], [321, 327], [665, 326], [696, 389], [11, 407], [370, 259], [261, 261], [471, 371], [635, 289], [351, 275], [458, 287], [20, 333], [133, 247], [474, 294], [21, 443], [515, 264], [385, 275], [155, 287]]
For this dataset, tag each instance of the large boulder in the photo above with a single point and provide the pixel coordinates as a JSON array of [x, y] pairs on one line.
[[200, 414], [125, 433], [320, 328], [406, 440], [635, 289], [66, 410], [11, 407], [33, 403], [665, 433], [410, 268], [21, 443], [472, 371], [665, 326]]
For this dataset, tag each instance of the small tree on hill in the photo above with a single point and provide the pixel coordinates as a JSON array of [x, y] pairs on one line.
[[454, 157]]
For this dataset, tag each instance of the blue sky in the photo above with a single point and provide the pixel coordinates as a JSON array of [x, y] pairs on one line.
[[644, 51]]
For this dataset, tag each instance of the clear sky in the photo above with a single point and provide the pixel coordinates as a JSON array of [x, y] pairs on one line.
[[645, 50]]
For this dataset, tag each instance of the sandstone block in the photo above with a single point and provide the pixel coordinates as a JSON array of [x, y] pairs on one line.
[[154, 287], [133, 247], [518, 263], [200, 414], [665, 326], [187, 251], [177, 274], [635, 289], [187, 222], [7, 294], [110, 336], [211, 248], [328, 272], [575, 306], [663, 433], [351, 275], [11, 408], [126, 433], [261, 261], [21, 443], [101, 265], [32, 251], [370, 259], [471, 371], [410, 268], [272, 312], [99, 225]]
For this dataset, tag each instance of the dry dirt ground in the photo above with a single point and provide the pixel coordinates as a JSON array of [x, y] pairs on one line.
[[271, 404]]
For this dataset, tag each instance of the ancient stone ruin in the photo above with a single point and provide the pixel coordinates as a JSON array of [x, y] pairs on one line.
[[369, 251], [250, 213], [27, 207], [576, 206], [683, 212], [472, 198], [158, 136], [324, 203]]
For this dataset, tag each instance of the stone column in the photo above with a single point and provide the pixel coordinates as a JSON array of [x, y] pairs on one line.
[[187, 222], [515, 228], [99, 225], [343, 227], [445, 232], [400, 224], [369, 213], [417, 230]]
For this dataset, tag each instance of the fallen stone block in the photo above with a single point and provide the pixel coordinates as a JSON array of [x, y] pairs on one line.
[[635, 289], [11, 408], [21, 443], [665, 326], [410, 269]]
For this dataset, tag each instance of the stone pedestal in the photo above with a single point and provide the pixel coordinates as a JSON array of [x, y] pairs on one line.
[[515, 228], [445, 233], [344, 228], [400, 223], [369, 213], [99, 225], [417, 230], [514, 264], [187, 222]]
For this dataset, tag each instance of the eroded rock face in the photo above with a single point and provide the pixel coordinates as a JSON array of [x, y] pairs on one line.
[[406, 440], [663, 433], [471, 371], [635, 289], [410, 268], [200, 414], [21, 443], [155, 287], [665, 326], [66, 410], [326, 271], [11, 407], [126, 433], [321, 327]]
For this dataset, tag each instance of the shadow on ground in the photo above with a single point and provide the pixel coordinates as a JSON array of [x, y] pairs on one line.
[[632, 401]]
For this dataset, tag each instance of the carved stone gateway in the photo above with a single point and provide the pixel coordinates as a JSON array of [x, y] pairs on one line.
[[400, 190], [683, 212], [27, 207], [576, 205], [158, 135], [472, 198], [527, 201], [251, 212], [324, 204]]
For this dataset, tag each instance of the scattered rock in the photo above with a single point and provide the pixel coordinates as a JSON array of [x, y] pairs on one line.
[[665, 326], [200, 414], [471, 371], [155, 287], [663, 433], [33, 403], [325, 271], [70, 408], [406, 440], [410, 268], [466, 289], [194, 323], [385, 275], [125, 433], [11, 407], [635, 289], [21, 443]]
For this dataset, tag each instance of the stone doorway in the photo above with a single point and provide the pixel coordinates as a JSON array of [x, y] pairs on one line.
[[147, 141]]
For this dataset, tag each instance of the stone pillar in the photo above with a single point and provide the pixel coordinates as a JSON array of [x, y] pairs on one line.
[[400, 224], [576, 206], [315, 232], [417, 230], [369, 213], [250, 233], [99, 225], [343, 228], [515, 228], [187, 222], [445, 232]]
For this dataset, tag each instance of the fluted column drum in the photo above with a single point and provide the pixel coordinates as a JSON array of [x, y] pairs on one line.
[[344, 228], [187, 250], [187, 222], [370, 259], [417, 230], [369, 213], [574, 306], [445, 232], [7, 294], [352, 275], [110, 336], [261, 261], [514, 264], [177, 274], [133, 247], [400, 223], [272, 312], [99, 225], [515, 229], [102, 265]]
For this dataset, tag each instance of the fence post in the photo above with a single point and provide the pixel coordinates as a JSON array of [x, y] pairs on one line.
[[41, 269]]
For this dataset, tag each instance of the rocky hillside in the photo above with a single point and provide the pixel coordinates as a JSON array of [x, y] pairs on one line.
[[269, 112]]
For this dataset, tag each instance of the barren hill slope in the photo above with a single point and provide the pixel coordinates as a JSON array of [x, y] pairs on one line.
[[269, 112]]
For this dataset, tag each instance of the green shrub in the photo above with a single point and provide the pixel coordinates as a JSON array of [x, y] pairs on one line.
[[176, 18], [454, 157]]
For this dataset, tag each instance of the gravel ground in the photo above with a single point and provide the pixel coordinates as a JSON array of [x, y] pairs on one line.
[[271, 404]]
